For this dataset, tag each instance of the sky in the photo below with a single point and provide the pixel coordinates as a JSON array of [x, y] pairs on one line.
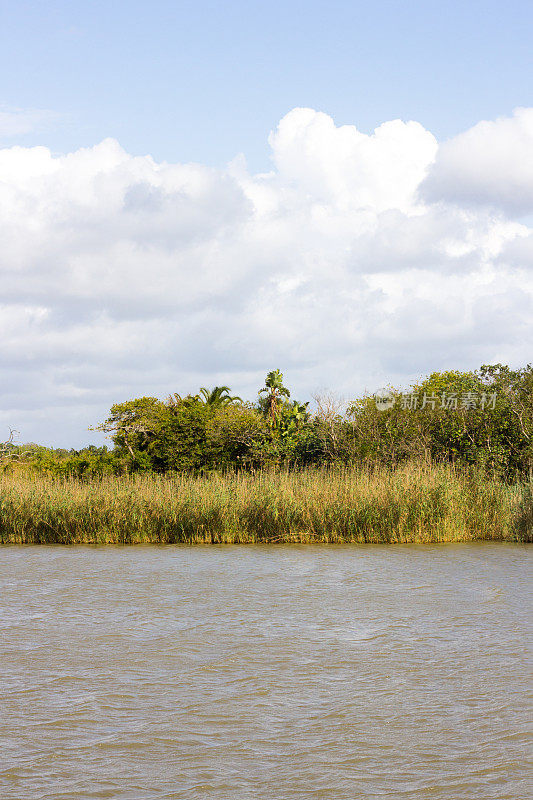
[[195, 193]]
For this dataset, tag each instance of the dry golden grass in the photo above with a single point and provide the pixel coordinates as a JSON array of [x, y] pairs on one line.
[[414, 503]]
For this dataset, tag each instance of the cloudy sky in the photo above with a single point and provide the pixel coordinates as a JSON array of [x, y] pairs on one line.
[[196, 193]]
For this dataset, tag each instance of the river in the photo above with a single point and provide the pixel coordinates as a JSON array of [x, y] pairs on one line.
[[265, 673]]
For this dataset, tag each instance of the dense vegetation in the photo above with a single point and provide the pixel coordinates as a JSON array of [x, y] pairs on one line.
[[489, 427], [449, 460], [413, 503]]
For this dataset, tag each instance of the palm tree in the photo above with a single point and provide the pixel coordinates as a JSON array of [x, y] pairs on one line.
[[275, 391], [219, 396]]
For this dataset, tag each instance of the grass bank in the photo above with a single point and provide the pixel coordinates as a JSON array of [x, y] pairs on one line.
[[410, 504]]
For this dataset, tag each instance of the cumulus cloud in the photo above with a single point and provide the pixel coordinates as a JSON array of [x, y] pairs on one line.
[[491, 164], [347, 265], [349, 169]]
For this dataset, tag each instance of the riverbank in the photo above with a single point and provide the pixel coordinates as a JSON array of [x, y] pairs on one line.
[[410, 504]]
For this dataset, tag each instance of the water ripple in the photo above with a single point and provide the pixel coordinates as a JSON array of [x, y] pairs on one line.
[[257, 673]]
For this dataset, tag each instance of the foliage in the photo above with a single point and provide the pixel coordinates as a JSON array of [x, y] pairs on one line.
[[214, 430], [275, 392], [89, 462], [219, 396], [240, 437], [134, 425], [497, 439]]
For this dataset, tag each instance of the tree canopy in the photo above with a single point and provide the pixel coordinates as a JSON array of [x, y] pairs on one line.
[[481, 419]]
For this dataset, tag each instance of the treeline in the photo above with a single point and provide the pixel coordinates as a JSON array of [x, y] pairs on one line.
[[481, 419]]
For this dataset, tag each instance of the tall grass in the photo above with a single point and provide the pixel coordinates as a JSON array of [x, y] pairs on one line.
[[410, 504]]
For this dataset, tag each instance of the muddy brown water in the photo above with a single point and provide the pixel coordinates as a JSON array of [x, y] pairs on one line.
[[265, 673]]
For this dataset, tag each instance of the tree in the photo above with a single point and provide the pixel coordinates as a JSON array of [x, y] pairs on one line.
[[514, 423], [275, 392], [240, 436], [494, 434], [291, 417], [133, 425], [9, 451], [219, 396], [333, 428], [181, 441]]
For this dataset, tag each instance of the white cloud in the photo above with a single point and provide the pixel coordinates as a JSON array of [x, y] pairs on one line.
[[348, 169], [122, 276], [491, 164]]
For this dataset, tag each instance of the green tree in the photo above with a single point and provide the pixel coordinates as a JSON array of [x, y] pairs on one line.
[[275, 392], [181, 441], [134, 425], [218, 396], [514, 422], [240, 436], [494, 431]]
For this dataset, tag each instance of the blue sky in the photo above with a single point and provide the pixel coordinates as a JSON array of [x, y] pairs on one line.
[[202, 81], [378, 228]]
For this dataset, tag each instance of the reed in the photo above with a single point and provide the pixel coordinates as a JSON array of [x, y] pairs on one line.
[[414, 503]]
